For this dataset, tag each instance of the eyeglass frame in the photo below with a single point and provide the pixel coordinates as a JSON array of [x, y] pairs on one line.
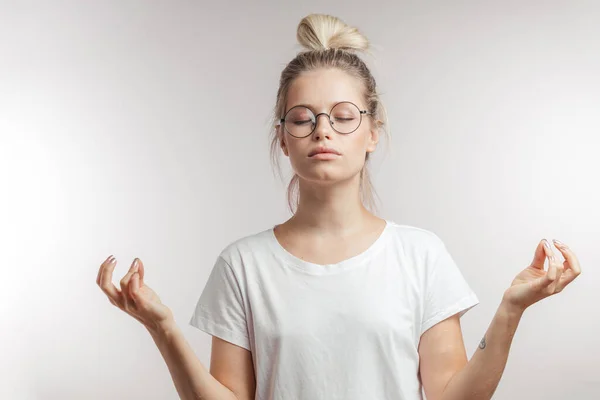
[[360, 112]]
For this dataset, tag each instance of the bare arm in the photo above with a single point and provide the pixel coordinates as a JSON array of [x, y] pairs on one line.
[[231, 375], [233, 367], [481, 375], [445, 371]]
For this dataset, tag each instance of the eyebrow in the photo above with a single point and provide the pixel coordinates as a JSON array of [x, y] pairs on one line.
[[313, 107]]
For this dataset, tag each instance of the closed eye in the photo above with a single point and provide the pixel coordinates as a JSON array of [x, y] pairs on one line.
[[302, 122]]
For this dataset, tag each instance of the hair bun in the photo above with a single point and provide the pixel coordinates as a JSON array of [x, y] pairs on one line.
[[321, 32]]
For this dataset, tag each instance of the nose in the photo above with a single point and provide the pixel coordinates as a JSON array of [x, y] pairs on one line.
[[325, 127]]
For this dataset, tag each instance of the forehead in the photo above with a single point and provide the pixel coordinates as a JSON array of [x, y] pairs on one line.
[[322, 88]]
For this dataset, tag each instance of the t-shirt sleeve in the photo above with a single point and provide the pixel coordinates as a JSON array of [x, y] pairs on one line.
[[220, 310], [446, 291]]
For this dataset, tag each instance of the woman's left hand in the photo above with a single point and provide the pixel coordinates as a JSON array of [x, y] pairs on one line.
[[534, 283]]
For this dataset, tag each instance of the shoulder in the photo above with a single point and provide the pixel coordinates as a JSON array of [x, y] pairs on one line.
[[252, 244], [415, 240]]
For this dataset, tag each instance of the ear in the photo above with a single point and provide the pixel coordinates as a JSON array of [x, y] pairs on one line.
[[281, 140], [374, 137]]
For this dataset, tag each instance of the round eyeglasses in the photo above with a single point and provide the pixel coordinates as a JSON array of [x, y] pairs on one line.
[[345, 117]]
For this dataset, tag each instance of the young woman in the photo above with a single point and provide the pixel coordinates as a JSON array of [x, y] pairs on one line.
[[336, 303]]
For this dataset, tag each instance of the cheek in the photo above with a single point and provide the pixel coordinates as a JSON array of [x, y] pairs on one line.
[[359, 143], [296, 151]]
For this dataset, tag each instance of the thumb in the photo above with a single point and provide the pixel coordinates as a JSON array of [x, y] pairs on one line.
[[134, 286], [539, 257], [141, 272], [544, 281]]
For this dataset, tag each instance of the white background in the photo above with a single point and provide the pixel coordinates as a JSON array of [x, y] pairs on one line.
[[140, 129]]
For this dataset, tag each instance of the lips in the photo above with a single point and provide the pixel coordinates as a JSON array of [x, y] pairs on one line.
[[321, 150]]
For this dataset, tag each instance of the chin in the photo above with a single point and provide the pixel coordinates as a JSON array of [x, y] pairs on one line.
[[325, 175]]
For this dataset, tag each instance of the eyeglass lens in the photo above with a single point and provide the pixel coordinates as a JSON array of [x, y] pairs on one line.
[[300, 121]]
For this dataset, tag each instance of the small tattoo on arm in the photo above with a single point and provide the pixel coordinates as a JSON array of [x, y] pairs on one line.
[[482, 343]]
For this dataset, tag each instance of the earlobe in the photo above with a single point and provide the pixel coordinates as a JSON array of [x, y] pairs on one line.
[[283, 148]]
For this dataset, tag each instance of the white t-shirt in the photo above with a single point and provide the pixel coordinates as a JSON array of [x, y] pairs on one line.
[[345, 331]]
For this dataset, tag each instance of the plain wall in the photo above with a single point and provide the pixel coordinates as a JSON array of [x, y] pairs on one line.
[[140, 129]]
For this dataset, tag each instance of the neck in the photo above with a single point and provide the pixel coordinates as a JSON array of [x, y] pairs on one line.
[[334, 209]]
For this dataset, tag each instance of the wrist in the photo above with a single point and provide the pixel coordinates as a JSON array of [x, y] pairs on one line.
[[510, 309], [163, 328]]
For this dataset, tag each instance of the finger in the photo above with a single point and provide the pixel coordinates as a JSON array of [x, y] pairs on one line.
[[567, 277], [107, 285], [559, 272], [571, 261], [141, 272], [125, 283], [543, 282], [134, 286], [102, 267], [539, 257], [553, 265], [548, 251]]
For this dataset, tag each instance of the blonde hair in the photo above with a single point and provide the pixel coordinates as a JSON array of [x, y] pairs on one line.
[[328, 43]]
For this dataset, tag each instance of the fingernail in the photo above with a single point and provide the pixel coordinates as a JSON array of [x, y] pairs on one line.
[[135, 264], [559, 243], [547, 244]]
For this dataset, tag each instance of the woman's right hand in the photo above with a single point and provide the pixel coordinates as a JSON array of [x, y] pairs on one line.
[[135, 298]]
